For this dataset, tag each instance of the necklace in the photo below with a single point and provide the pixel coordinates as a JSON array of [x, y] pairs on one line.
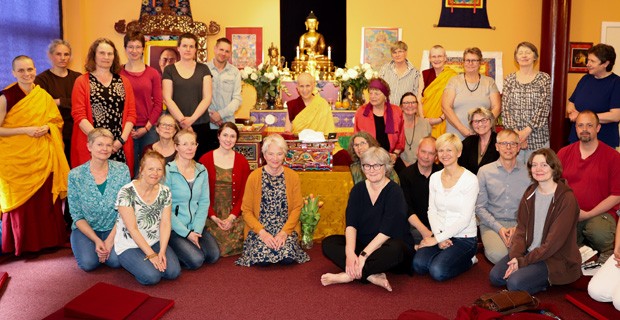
[[477, 84], [483, 146], [412, 135]]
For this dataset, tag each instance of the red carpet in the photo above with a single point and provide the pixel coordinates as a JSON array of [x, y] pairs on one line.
[[598, 310], [41, 284]]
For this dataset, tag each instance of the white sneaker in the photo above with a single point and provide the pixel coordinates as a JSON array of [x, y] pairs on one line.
[[474, 260]]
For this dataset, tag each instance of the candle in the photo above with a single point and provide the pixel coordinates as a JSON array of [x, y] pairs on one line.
[[329, 52], [297, 52]]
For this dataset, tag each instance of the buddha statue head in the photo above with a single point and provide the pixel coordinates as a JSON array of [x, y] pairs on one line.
[[312, 23]]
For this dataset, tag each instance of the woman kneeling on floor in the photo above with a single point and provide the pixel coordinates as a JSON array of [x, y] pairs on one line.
[[143, 231], [377, 237]]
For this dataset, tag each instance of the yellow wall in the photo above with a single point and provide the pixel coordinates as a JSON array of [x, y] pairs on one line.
[[515, 21], [585, 26]]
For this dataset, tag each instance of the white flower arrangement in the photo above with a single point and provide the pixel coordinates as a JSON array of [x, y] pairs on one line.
[[265, 79]]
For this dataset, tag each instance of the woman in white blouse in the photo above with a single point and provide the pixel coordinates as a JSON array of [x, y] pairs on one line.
[[448, 252]]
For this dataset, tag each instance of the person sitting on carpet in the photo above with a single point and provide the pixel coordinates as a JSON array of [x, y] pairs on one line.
[[271, 207], [189, 183], [33, 178], [228, 172], [450, 250], [143, 230], [308, 111], [544, 248], [605, 285], [358, 144], [93, 188], [377, 237]]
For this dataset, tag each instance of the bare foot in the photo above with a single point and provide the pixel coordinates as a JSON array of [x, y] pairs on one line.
[[380, 280], [335, 278]]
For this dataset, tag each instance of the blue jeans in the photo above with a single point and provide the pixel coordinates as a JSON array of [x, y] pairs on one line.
[[448, 263], [149, 137], [192, 257], [532, 278], [144, 271], [84, 251]]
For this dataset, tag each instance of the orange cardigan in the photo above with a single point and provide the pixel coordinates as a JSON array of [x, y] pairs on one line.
[[252, 197], [81, 109]]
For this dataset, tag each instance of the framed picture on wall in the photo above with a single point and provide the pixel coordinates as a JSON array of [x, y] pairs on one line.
[[376, 43], [247, 46], [579, 57], [160, 53]]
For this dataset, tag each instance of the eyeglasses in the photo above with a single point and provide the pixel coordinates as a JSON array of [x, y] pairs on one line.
[[167, 125], [398, 51], [169, 60], [410, 103], [481, 121], [471, 60], [375, 166], [357, 145], [134, 47], [188, 144], [506, 144]]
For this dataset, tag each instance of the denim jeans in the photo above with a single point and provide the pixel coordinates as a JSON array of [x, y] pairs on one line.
[[149, 137], [144, 271], [192, 257], [84, 251], [448, 263], [532, 278]]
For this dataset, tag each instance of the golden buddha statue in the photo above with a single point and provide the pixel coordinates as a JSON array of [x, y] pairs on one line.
[[312, 43]]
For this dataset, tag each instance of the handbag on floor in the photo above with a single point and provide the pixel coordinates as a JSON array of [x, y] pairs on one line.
[[507, 302]]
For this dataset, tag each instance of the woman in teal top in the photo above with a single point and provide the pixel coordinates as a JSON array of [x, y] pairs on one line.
[[92, 192]]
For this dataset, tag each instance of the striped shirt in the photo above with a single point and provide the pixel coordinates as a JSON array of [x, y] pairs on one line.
[[408, 82]]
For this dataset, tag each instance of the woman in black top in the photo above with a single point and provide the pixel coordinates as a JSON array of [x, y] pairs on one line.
[[377, 237], [479, 149]]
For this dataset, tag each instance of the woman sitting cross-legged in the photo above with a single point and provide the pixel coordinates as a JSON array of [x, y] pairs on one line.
[[271, 207], [358, 144], [453, 191], [143, 231], [93, 188], [377, 237], [544, 248], [189, 183]]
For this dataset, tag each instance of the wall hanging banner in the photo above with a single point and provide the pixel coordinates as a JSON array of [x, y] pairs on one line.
[[464, 14]]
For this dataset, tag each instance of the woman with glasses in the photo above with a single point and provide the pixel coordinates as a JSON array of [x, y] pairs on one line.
[[543, 251], [526, 102], [479, 148], [189, 183], [469, 90], [415, 126], [271, 207], [166, 128], [450, 250], [146, 84], [377, 237], [399, 73], [358, 144]]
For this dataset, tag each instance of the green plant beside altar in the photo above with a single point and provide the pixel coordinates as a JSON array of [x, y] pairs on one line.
[[357, 79], [266, 80], [309, 218]]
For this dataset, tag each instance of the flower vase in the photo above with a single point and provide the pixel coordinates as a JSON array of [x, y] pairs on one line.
[[307, 235], [261, 98], [358, 98]]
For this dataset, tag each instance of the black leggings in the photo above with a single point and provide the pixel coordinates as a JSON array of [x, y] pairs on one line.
[[393, 256]]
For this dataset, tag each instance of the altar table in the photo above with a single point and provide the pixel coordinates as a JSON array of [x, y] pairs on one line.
[[333, 187], [343, 120]]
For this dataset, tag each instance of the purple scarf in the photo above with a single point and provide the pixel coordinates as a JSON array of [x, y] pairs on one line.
[[389, 118]]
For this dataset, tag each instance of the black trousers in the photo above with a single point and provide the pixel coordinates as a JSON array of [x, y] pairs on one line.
[[392, 256], [205, 138]]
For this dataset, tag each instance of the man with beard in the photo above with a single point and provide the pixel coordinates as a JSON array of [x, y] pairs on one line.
[[592, 170]]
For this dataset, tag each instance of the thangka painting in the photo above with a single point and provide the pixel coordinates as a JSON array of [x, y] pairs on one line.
[[464, 14], [491, 64], [247, 46], [376, 43]]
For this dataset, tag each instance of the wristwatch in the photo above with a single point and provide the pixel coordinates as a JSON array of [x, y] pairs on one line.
[[363, 254]]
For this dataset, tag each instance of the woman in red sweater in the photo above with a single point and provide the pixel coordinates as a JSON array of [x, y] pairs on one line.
[[228, 171]]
